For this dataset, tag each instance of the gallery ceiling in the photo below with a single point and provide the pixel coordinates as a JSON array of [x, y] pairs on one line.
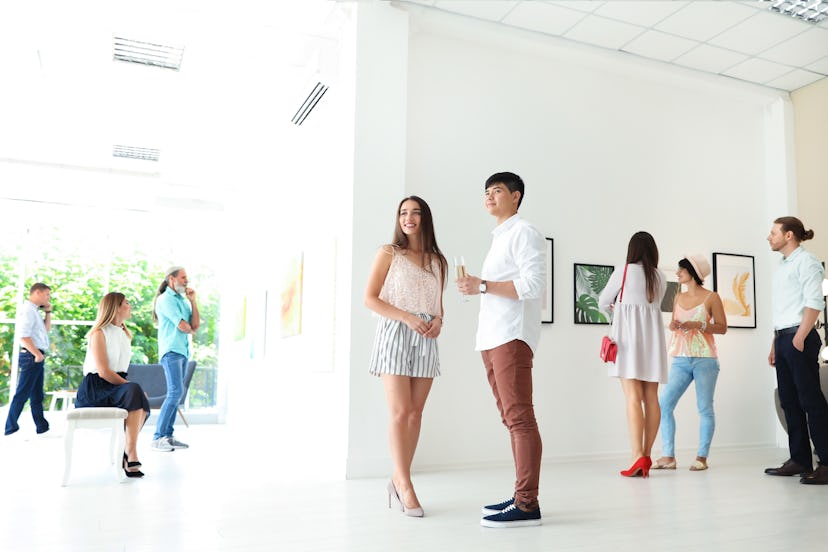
[[741, 40]]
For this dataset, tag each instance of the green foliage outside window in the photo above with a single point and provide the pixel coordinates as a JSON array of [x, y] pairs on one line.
[[78, 283]]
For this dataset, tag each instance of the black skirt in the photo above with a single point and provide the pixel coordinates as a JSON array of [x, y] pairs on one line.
[[96, 391]]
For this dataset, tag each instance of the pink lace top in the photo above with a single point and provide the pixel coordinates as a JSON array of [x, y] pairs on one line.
[[411, 288]]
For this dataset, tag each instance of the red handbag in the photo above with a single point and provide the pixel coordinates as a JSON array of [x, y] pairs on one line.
[[609, 348]]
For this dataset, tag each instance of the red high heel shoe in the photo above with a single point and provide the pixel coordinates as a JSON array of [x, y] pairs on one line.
[[640, 467]]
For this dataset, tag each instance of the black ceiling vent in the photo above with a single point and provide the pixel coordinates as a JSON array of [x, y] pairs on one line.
[[147, 53], [132, 152], [310, 102]]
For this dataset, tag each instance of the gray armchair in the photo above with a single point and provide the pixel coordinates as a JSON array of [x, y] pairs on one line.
[[152, 380], [823, 383]]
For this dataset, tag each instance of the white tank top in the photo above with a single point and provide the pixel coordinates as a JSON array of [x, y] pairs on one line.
[[118, 351]]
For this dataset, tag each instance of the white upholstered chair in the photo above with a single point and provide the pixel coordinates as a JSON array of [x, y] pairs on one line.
[[96, 418]]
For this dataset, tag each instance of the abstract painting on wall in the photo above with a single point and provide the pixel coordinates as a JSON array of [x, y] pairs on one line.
[[590, 280], [547, 308], [734, 280], [673, 289], [292, 297]]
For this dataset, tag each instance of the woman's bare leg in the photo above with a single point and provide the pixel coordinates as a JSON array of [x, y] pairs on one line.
[[406, 399]]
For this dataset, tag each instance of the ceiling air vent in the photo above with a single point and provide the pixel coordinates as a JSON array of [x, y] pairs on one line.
[[310, 102], [131, 152], [147, 53]]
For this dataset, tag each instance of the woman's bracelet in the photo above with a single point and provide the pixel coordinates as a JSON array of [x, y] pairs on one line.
[[703, 326]]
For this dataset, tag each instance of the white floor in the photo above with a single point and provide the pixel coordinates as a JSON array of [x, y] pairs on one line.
[[226, 493]]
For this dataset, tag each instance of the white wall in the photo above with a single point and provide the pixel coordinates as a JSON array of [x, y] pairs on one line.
[[379, 183], [607, 145], [302, 205]]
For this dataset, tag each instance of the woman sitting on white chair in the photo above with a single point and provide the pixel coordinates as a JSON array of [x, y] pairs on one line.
[[104, 384]]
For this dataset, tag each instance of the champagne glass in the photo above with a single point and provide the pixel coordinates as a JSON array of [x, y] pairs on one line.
[[460, 272]]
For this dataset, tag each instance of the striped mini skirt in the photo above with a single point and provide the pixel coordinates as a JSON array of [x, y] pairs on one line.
[[400, 351]]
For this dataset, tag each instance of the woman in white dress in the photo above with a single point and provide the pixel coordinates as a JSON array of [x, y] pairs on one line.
[[105, 367], [638, 329], [405, 289]]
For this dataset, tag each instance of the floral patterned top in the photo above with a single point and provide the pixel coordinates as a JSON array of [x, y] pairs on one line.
[[692, 343], [412, 288]]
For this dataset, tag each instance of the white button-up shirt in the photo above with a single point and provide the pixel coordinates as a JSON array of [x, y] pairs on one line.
[[797, 284], [517, 254], [32, 325]]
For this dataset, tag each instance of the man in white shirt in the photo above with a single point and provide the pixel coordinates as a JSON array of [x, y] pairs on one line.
[[34, 340], [512, 284], [797, 301]]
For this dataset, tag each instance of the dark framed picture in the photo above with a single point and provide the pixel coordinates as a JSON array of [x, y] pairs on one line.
[[547, 311], [590, 281], [673, 289], [734, 280]]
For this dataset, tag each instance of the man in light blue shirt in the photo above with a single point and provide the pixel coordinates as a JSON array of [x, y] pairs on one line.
[[34, 341], [176, 313], [511, 289], [797, 302]]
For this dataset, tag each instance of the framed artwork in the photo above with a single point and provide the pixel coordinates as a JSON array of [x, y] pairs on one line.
[[547, 311], [292, 297], [673, 289], [734, 281], [590, 281]]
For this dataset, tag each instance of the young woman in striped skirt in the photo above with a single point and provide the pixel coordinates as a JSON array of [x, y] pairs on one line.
[[405, 290]]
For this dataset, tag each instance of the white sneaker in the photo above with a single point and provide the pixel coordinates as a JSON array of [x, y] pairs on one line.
[[176, 444], [162, 444]]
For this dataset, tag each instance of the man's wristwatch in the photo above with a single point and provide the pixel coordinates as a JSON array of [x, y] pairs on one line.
[[483, 286]]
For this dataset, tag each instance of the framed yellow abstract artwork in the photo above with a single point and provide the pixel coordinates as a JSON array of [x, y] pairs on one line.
[[734, 281], [292, 297]]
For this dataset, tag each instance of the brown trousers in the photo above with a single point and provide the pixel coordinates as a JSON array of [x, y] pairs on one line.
[[509, 370]]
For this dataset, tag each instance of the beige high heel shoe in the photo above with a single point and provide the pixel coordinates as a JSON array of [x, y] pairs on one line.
[[412, 512], [393, 497]]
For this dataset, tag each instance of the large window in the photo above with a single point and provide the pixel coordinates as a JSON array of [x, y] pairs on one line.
[[83, 261]]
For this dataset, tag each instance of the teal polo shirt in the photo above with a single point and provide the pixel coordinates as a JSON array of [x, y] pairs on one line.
[[171, 308]]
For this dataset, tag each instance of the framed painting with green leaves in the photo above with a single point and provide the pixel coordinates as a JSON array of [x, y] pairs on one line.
[[590, 280]]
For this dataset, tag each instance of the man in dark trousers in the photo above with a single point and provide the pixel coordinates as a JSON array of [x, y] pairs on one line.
[[34, 341], [797, 301]]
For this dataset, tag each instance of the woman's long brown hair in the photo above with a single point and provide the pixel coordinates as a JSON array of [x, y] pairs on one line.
[[642, 249]]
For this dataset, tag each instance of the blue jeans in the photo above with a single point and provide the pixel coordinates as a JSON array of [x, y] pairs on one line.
[[29, 388], [705, 372], [174, 365]]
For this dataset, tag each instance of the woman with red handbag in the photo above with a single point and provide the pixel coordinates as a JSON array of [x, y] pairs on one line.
[[638, 331]]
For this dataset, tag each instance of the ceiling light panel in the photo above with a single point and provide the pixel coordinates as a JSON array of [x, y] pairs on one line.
[[147, 53], [810, 11], [133, 152]]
